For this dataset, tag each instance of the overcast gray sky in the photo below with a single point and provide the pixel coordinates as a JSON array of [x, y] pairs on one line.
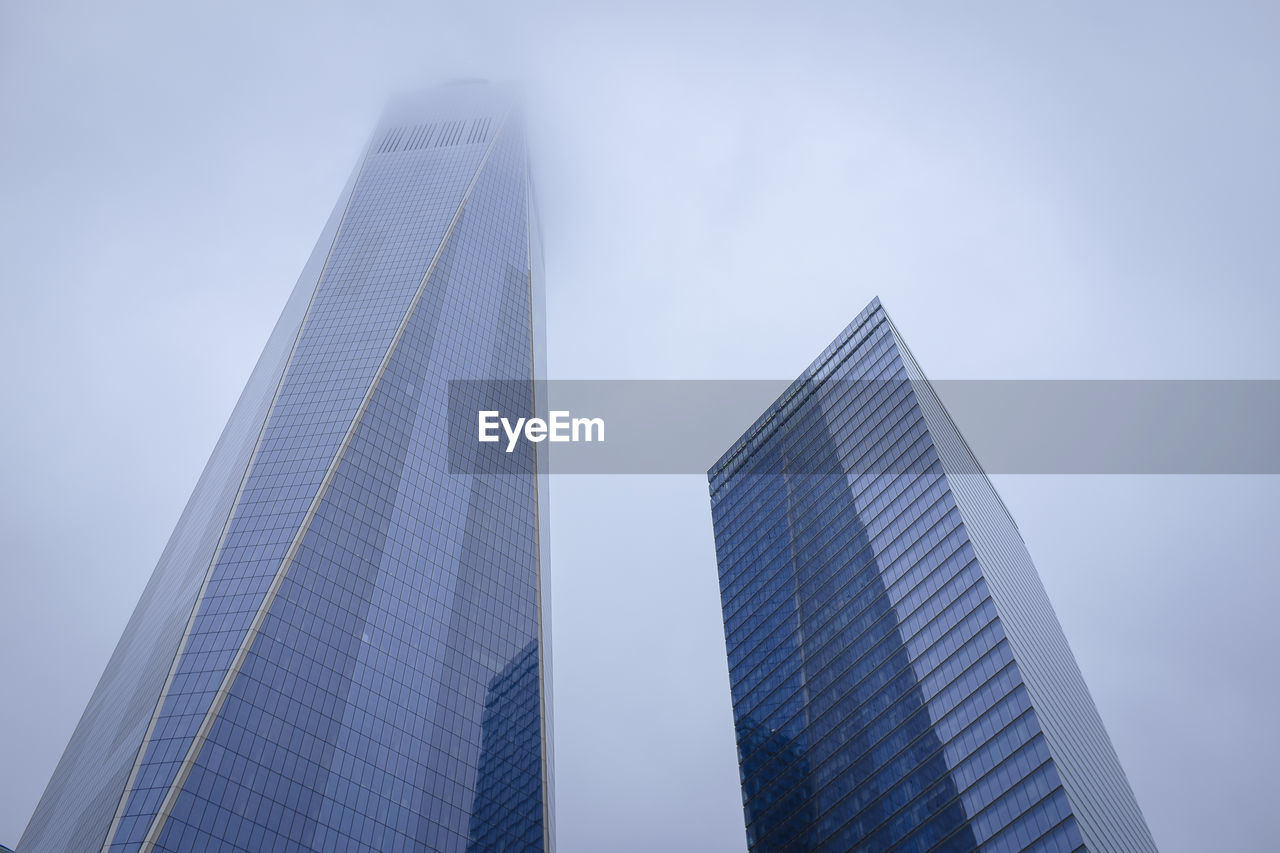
[[1035, 190]]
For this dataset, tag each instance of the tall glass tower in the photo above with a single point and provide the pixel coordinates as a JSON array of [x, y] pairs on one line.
[[343, 646], [899, 678]]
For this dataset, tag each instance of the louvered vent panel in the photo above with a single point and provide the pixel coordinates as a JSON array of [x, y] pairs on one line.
[[436, 135]]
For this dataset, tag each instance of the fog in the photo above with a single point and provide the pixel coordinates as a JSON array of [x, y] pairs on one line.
[[1035, 191]]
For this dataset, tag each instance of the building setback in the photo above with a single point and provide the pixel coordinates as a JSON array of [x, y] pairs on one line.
[[343, 645], [899, 678]]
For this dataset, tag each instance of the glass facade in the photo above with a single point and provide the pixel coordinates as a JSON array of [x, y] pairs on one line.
[[899, 679], [344, 645]]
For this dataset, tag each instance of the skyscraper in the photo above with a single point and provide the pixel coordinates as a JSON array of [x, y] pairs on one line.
[[899, 678], [343, 644]]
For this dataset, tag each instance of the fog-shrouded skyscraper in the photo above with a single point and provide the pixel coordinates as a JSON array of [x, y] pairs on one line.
[[899, 678], [343, 646]]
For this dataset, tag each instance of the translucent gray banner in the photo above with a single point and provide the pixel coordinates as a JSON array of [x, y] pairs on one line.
[[1012, 426]]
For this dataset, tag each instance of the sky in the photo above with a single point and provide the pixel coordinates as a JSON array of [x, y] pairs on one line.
[[1034, 190]]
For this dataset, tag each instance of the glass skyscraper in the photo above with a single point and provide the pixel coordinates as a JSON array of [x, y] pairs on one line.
[[899, 678], [343, 646]]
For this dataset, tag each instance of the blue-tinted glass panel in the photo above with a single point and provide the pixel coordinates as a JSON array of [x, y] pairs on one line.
[[881, 700]]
